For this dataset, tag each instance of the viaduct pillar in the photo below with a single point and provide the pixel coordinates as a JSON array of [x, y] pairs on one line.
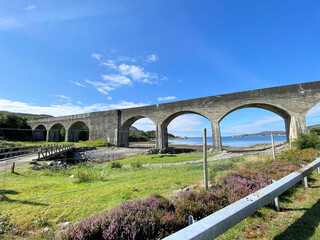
[[161, 136], [216, 136], [295, 124]]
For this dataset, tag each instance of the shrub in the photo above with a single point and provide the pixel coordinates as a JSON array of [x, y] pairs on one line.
[[151, 218], [305, 141], [298, 156], [136, 164], [85, 172], [116, 164], [198, 205], [237, 185]]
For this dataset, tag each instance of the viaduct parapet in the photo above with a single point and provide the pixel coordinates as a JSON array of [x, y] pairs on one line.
[[291, 102]]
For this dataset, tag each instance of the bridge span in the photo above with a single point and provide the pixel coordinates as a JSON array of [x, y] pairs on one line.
[[291, 102]]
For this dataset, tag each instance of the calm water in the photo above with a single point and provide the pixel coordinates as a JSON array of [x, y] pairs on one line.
[[229, 141]]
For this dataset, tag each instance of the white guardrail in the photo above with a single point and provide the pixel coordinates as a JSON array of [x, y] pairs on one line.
[[219, 222]]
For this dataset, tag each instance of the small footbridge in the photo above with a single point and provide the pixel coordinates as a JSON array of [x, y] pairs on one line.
[[15, 156]]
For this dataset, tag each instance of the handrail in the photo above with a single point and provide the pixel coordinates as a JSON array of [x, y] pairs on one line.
[[53, 149], [45, 150], [217, 223]]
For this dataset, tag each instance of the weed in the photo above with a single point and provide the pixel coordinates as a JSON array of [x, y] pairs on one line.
[[136, 164], [116, 164]]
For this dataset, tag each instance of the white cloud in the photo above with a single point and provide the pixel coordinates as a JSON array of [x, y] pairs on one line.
[[101, 87], [166, 98], [96, 56], [77, 83], [30, 7], [62, 109], [137, 73], [116, 80], [110, 64], [126, 59], [63, 96], [152, 58], [144, 124], [109, 98], [79, 102], [185, 123]]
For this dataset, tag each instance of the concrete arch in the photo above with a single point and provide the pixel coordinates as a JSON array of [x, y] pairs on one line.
[[125, 127], [266, 106], [171, 117], [57, 133], [78, 131], [289, 118], [40, 133], [162, 128]]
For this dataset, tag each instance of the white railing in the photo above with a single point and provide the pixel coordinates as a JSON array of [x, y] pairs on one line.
[[217, 223]]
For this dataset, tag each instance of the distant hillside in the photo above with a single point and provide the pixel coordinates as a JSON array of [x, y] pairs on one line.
[[264, 133], [28, 114], [134, 129], [276, 133]]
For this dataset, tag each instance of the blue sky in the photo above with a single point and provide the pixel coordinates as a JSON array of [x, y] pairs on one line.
[[69, 57]]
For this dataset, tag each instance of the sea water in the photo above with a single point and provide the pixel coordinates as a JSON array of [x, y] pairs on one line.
[[229, 141]]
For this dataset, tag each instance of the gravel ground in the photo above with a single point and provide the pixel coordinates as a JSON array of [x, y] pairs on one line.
[[115, 153]]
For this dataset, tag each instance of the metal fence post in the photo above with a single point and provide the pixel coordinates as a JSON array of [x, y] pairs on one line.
[[273, 150]]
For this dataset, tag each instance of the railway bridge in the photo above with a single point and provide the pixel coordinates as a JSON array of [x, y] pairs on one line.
[[291, 102]]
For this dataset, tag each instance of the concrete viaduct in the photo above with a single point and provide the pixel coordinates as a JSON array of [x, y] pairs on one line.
[[291, 102]]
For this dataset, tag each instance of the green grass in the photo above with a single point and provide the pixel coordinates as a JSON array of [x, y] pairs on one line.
[[107, 187], [163, 158], [118, 185]]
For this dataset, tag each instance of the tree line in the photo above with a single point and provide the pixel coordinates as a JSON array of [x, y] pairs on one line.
[[14, 127]]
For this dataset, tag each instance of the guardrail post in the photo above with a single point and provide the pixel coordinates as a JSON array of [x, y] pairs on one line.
[[304, 179], [191, 220], [305, 182], [318, 169], [276, 200]]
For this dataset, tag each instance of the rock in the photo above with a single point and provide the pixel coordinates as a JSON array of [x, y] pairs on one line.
[[72, 176], [153, 151], [37, 167], [50, 164], [64, 224], [47, 230]]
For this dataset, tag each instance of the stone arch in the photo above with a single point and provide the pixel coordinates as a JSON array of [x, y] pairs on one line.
[[269, 107], [57, 133], [40, 133], [162, 128], [125, 127], [78, 131]]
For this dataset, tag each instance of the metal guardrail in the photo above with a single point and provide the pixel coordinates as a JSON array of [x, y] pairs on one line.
[[217, 223]]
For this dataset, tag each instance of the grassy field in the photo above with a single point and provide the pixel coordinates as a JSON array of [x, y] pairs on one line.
[[51, 197], [55, 197]]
